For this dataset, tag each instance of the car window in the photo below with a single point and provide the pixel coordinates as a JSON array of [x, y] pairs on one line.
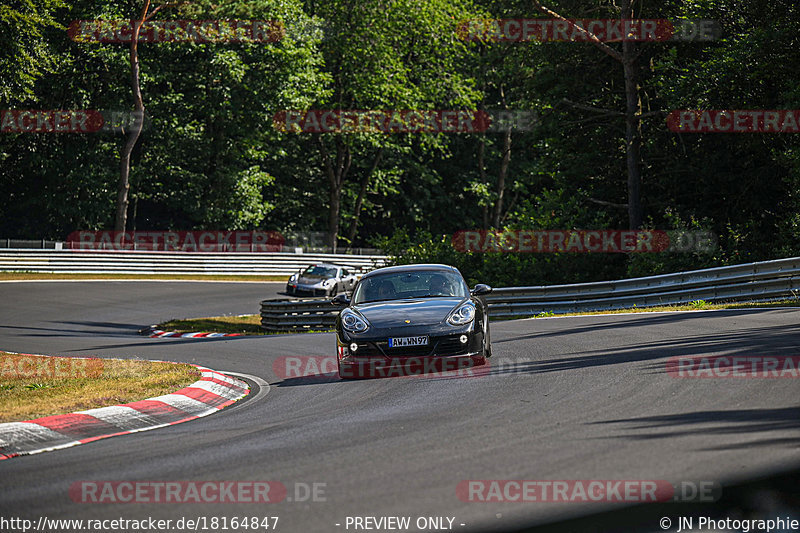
[[413, 284], [320, 272]]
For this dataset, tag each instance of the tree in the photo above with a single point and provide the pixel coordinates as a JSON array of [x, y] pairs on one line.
[[25, 53], [628, 58], [401, 55]]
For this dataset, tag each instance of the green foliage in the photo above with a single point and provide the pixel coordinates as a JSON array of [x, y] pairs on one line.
[[211, 158], [25, 53]]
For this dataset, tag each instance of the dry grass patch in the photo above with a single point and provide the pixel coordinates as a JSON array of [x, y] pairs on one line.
[[34, 386], [248, 324]]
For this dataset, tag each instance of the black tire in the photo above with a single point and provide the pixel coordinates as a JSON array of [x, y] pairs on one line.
[[334, 290]]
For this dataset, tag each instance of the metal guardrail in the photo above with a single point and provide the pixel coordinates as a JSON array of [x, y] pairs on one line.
[[41, 244], [205, 263], [752, 281]]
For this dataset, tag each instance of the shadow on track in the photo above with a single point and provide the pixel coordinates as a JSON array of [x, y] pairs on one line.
[[717, 422], [778, 340]]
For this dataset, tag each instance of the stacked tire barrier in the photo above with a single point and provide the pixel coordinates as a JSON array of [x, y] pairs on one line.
[[289, 315], [767, 280]]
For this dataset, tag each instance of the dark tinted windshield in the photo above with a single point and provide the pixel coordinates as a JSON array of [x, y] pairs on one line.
[[417, 284]]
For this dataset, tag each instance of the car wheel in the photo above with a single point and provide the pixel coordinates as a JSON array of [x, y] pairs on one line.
[[334, 290]]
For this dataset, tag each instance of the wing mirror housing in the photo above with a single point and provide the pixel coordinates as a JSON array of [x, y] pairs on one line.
[[480, 290]]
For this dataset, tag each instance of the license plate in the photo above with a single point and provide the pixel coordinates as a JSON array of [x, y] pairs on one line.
[[400, 342]]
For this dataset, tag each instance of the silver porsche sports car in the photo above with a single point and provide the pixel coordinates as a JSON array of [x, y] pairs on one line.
[[322, 279]]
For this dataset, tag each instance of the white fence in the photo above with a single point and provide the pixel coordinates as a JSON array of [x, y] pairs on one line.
[[229, 263]]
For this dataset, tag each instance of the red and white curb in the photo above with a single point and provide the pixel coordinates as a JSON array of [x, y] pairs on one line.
[[154, 332], [211, 393]]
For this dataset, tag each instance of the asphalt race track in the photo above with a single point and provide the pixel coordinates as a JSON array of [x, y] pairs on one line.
[[573, 398]]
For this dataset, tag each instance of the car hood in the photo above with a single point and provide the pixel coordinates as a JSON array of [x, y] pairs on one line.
[[420, 311], [310, 280]]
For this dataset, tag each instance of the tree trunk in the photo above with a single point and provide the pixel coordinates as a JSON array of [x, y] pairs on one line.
[[123, 185], [501, 179], [336, 172], [361, 194], [633, 126], [482, 174]]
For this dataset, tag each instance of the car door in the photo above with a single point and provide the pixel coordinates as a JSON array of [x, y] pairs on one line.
[[348, 279]]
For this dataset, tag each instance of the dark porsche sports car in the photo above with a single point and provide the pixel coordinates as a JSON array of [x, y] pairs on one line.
[[412, 319]]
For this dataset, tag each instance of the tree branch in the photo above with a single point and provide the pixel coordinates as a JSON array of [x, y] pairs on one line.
[[589, 35]]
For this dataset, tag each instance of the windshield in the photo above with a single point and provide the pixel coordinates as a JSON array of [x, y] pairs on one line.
[[315, 271], [417, 284]]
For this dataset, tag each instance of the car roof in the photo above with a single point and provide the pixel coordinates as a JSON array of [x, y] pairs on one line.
[[331, 265], [410, 268]]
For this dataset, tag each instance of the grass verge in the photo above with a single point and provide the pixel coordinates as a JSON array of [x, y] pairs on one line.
[[697, 305], [33, 276], [246, 325], [33, 386]]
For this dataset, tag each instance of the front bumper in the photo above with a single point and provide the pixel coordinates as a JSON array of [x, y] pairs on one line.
[[312, 290], [374, 358]]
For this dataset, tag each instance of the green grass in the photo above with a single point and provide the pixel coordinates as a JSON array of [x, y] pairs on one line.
[[33, 386], [697, 305]]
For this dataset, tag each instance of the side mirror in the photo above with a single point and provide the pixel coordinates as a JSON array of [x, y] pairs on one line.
[[340, 299], [481, 289]]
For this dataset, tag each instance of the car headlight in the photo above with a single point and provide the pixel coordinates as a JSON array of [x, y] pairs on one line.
[[328, 283], [293, 277], [463, 315], [353, 322]]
